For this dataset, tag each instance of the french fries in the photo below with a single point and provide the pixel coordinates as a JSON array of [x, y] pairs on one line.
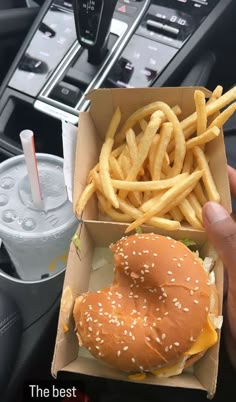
[[154, 169]]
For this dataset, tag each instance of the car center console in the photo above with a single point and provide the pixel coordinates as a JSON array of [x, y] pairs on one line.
[[151, 43]]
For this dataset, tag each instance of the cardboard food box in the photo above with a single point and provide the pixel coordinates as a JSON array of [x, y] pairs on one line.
[[90, 266]]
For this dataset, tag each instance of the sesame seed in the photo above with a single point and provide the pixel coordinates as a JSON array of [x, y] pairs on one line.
[[90, 329], [172, 246], [185, 309], [169, 272], [175, 299], [191, 292], [166, 313], [141, 368], [118, 353], [125, 348], [133, 360], [176, 343], [155, 254], [179, 265], [134, 252], [166, 348], [196, 301], [148, 339], [158, 339], [172, 280], [163, 336], [188, 279]]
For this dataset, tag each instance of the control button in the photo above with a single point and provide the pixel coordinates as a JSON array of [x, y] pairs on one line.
[[151, 24], [126, 9], [171, 30], [164, 28], [66, 93]]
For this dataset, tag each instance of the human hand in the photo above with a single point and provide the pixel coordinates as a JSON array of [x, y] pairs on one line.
[[221, 231]]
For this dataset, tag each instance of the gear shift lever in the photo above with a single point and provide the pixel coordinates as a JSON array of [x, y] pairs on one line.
[[92, 21]]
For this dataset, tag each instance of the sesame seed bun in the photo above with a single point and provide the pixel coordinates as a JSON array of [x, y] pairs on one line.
[[154, 310]]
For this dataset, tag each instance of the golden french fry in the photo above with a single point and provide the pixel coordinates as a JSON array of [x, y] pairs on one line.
[[114, 123], [207, 176], [132, 145], [90, 175], [203, 138], [117, 151], [105, 174], [85, 196], [143, 150], [97, 181], [165, 136], [195, 204], [221, 119], [140, 114], [125, 164], [143, 124], [178, 137], [188, 162], [113, 213], [116, 171], [170, 197], [163, 223], [211, 107], [148, 185], [198, 191], [146, 206], [200, 104], [189, 214], [215, 94], [135, 198], [176, 214]]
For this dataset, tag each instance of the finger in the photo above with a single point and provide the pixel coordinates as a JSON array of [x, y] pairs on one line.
[[221, 231], [232, 180]]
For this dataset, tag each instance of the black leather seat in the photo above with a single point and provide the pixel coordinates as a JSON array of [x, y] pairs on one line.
[[10, 337]]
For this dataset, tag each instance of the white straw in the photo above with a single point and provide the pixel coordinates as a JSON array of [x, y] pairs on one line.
[[27, 141]]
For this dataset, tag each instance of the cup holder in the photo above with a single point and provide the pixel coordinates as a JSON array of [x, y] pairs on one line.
[[19, 114]]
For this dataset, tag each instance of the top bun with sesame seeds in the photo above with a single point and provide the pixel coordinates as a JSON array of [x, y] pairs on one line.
[[155, 313]]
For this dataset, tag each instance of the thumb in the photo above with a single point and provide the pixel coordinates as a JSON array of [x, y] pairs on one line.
[[221, 231]]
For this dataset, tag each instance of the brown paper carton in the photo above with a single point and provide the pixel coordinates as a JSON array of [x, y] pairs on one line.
[[82, 273]]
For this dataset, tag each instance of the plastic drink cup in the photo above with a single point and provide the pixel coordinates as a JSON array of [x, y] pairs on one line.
[[36, 239]]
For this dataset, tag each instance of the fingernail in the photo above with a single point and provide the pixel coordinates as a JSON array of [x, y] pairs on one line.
[[214, 212]]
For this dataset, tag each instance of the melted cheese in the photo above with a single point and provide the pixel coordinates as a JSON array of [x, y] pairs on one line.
[[207, 338]]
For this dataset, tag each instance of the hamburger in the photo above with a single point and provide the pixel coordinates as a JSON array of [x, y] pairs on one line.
[[158, 315]]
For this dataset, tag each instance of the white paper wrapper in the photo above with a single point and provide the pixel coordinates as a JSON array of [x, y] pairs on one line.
[[69, 138]]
